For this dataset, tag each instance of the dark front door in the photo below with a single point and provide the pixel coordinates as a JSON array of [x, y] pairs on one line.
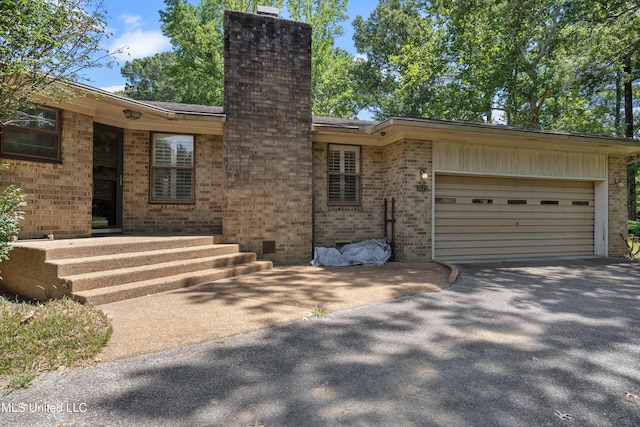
[[107, 179]]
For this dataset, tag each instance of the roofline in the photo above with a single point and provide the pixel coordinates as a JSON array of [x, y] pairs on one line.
[[491, 128], [141, 105], [371, 128], [627, 145]]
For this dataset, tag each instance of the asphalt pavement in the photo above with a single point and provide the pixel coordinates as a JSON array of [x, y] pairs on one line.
[[552, 343]]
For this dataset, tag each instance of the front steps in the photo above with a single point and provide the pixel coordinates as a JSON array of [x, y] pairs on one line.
[[108, 269]]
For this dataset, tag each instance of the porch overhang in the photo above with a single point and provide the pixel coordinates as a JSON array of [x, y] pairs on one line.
[[108, 108]]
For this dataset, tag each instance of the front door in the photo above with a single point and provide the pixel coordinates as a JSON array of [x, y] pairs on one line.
[[107, 179]]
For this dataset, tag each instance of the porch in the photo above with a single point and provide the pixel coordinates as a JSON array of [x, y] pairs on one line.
[[101, 270]]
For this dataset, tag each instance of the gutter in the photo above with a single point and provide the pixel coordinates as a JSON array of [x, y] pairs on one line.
[[144, 107]]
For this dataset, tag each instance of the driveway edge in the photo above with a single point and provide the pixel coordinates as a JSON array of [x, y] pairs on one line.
[[453, 276]]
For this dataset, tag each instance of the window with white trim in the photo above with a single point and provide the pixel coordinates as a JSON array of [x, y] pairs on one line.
[[344, 175], [172, 168], [34, 134]]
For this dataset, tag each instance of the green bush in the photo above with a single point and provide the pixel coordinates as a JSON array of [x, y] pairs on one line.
[[11, 203]]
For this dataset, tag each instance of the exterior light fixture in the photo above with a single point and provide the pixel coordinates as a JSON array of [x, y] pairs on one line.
[[424, 175], [131, 114], [619, 182]]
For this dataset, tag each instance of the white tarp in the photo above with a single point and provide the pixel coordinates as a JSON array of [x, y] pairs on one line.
[[369, 252]]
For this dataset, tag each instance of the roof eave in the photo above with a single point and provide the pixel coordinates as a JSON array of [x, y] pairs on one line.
[[396, 128]]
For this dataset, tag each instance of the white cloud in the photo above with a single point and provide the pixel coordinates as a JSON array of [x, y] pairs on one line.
[[135, 42], [131, 21], [113, 89]]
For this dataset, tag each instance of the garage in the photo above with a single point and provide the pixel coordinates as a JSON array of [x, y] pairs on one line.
[[479, 217]]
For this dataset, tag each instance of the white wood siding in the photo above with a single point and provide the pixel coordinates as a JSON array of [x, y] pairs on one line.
[[506, 161], [490, 217]]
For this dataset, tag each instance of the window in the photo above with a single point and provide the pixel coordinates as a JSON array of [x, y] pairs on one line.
[[344, 175], [172, 168], [34, 134], [445, 200]]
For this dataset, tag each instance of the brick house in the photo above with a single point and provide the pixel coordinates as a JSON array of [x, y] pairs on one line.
[[264, 173]]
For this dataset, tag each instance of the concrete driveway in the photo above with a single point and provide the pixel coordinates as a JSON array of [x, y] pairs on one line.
[[531, 344]]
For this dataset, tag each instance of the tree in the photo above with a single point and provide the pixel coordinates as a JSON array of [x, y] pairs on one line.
[[148, 79], [197, 36], [534, 63], [195, 65], [332, 68], [43, 45], [615, 48], [394, 27]]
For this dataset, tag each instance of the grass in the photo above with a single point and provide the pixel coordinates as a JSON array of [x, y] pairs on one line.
[[319, 311], [35, 337], [633, 247]]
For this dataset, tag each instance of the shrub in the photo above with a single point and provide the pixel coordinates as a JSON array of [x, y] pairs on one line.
[[11, 203]]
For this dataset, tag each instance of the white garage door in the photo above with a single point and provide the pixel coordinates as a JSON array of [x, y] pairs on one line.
[[485, 217]]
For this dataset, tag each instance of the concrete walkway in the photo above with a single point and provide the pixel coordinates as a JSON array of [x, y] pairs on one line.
[[216, 311]]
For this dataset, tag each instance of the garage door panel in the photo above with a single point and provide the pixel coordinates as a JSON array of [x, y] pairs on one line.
[[509, 198], [522, 224], [500, 182], [509, 216], [460, 233], [525, 217], [471, 238], [516, 243], [519, 252], [472, 193]]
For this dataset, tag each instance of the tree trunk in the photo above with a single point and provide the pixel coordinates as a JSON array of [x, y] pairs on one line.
[[628, 119], [618, 107]]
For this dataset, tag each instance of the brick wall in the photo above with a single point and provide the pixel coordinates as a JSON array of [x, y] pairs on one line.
[[58, 194], [346, 224], [203, 217], [402, 162], [267, 136], [617, 205]]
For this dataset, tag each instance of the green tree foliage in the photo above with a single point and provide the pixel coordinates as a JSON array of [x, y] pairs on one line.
[[195, 65], [537, 63], [197, 37], [332, 78], [44, 44], [384, 39], [148, 79]]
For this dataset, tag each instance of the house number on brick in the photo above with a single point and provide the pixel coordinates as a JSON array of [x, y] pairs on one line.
[[422, 188]]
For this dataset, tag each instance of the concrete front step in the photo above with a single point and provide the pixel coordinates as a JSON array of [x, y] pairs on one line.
[[92, 264], [137, 289], [119, 276], [44, 269], [113, 245]]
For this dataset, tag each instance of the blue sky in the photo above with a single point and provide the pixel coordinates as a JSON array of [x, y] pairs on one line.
[[136, 24]]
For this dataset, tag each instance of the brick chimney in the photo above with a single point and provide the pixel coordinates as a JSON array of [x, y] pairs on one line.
[[267, 136]]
